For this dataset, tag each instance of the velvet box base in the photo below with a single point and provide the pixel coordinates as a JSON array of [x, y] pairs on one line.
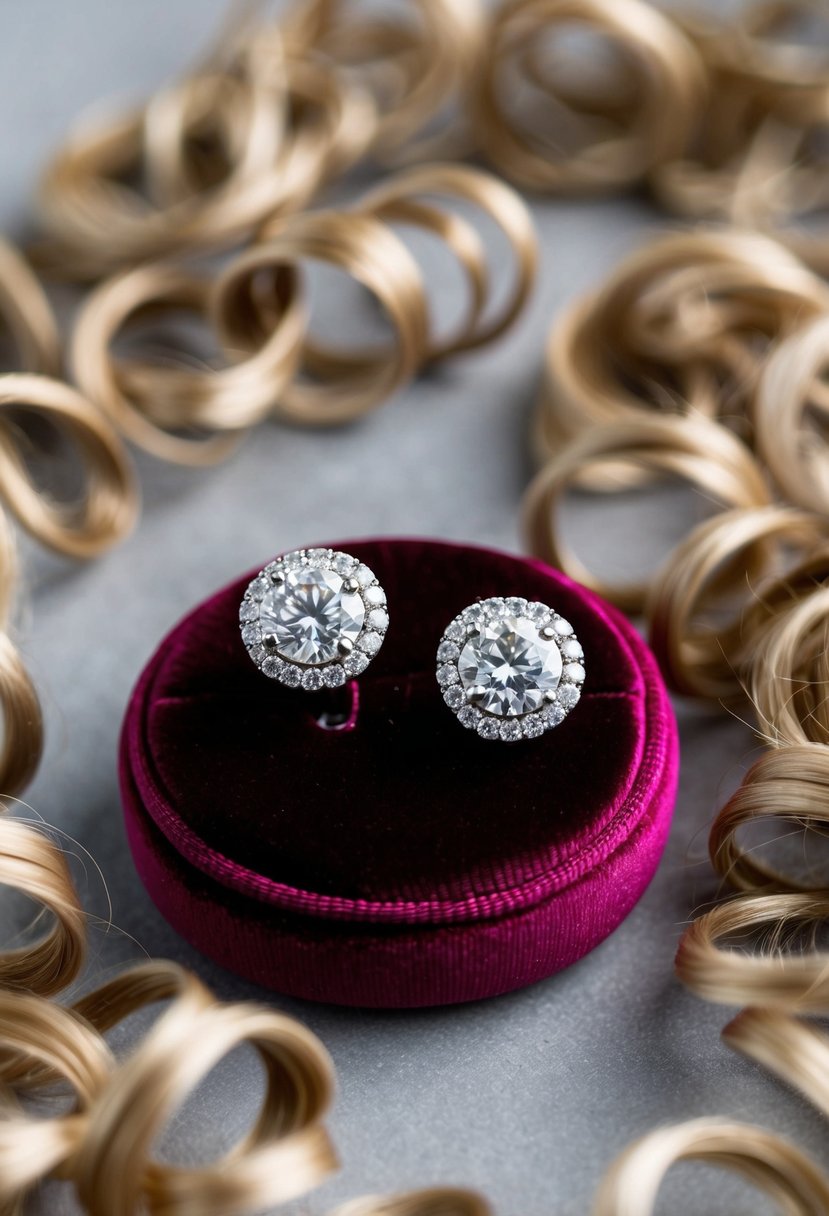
[[399, 860]]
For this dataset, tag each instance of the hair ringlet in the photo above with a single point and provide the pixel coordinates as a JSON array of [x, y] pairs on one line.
[[797, 454], [286, 1152], [693, 448], [277, 127], [792, 669], [788, 785], [790, 1048], [775, 1166], [33, 865], [156, 405], [417, 61], [729, 974], [398, 199], [27, 314], [332, 385], [757, 157], [107, 507], [625, 131], [699, 624], [674, 330]]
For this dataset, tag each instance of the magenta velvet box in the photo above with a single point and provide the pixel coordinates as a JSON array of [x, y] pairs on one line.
[[402, 860]]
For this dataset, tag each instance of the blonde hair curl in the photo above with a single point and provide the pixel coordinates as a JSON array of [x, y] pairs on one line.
[[627, 118], [416, 60], [269, 362], [701, 626], [790, 416], [99, 516], [755, 158], [681, 326], [738, 609], [693, 448], [279, 128], [775, 1166]]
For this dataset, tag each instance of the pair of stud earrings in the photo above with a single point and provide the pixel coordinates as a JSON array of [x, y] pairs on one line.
[[507, 668]]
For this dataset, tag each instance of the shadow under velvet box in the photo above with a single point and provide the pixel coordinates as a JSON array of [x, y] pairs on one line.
[[404, 861]]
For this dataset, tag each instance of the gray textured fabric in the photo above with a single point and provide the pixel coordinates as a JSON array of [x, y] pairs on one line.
[[527, 1097]]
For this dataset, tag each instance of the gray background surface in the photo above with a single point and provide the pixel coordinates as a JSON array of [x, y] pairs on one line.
[[527, 1097]]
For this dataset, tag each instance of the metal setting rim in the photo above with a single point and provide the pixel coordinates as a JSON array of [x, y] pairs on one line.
[[336, 671], [533, 723]]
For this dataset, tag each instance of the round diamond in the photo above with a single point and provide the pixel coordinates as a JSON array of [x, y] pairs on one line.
[[553, 714], [506, 666], [568, 695], [363, 575], [251, 634], [290, 676], [375, 596], [273, 668], [311, 679], [309, 613], [370, 643], [378, 619], [343, 563], [510, 669], [356, 663], [248, 611], [333, 676]]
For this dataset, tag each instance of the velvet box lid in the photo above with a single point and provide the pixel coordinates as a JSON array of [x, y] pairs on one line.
[[400, 860]]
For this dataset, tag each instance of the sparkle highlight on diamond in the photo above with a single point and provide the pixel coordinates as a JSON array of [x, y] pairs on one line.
[[507, 667], [309, 613]]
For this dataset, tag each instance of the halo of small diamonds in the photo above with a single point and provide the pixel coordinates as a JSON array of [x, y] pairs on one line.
[[510, 668], [313, 618]]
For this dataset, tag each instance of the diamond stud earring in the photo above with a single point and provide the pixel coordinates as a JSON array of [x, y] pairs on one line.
[[313, 618], [510, 669]]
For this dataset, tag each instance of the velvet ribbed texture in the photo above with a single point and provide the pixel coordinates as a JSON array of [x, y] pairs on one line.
[[401, 861]]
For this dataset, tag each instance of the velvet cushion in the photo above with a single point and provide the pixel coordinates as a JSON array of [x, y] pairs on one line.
[[399, 860]]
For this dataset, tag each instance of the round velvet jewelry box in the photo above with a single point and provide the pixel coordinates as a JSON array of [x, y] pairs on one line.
[[396, 859]]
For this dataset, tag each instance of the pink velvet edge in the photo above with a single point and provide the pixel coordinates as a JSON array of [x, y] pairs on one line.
[[435, 952]]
